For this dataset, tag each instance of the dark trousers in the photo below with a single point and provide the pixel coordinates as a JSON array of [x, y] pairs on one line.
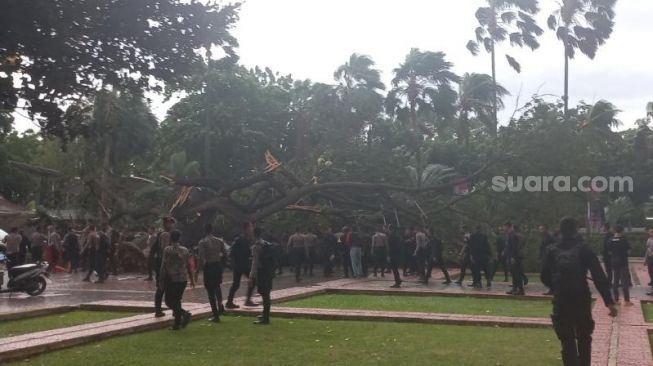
[[438, 261], [91, 264], [517, 273], [394, 266], [174, 291], [380, 260], [607, 262], [212, 282], [14, 260], [298, 257], [503, 262], [464, 263], [235, 285], [482, 264], [158, 295], [74, 261], [421, 258], [620, 278], [310, 260], [346, 262], [101, 266], [264, 285], [649, 264], [574, 330], [328, 264], [37, 254]]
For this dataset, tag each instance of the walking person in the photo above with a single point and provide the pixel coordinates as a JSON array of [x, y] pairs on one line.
[[25, 247], [91, 245], [211, 253], [311, 242], [464, 255], [298, 252], [479, 255], [500, 247], [564, 271], [409, 262], [12, 247], [344, 249], [152, 236], [328, 250], [607, 256], [263, 263], [395, 253], [356, 254], [380, 251], [102, 256], [619, 249], [547, 241], [72, 249], [421, 253], [241, 255], [437, 259], [54, 246], [175, 275], [515, 258], [648, 258], [161, 243], [39, 241]]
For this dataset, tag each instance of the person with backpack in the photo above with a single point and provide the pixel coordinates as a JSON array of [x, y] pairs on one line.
[[564, 271], [262, 273], [160, 244], [211, 253], [619, 249], [175, 275]]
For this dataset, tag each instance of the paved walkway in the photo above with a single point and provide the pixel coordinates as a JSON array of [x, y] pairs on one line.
[[623, 341]]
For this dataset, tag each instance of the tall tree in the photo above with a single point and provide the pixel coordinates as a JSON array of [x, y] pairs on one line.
[[480, 96], [420, 84], [505, 20], [582, 25], [54, 51]]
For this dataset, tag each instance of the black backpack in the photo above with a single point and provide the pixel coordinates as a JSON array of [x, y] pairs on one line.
[[268, 256], [569, 274]]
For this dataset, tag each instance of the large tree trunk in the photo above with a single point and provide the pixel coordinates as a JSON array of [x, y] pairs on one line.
[[104, 178], [495, 119], [565, 97]]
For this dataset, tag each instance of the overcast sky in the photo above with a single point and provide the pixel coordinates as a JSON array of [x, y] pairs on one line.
[[310, 39]]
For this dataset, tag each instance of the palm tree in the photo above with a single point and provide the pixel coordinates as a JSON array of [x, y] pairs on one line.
[[358, 72], [649, 109], [505, 20], [421, 86], [584, 25], [601, 116], [480, 96]]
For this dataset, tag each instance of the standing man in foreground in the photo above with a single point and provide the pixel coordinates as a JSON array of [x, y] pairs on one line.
[[263, 262], [211, 251], [175, 274], [565, 268]]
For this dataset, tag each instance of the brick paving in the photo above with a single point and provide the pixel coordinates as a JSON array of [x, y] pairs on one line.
[[623, 341]]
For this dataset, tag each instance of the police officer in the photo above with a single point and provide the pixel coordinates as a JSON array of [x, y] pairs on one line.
[[211, 252], [175, 274], [515, 257], [619, 250], [437, 259], [479, 255], [263, 263], [565, 268], [162, 241], [395, 244], [241, 253], [298, 252], [464, 255], [607, 256]]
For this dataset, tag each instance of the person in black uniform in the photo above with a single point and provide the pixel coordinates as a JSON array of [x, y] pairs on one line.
[[241, 254], [263, 262], [395, 244], [547, 241], [564, 271], [479, 255], [464, 255], [409, 262], [607, 256], [515, 257], [437, 259], [211, 253], [500, 245], [619, 248]]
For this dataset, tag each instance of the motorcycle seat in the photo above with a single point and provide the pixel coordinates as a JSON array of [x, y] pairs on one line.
[[14, 271]]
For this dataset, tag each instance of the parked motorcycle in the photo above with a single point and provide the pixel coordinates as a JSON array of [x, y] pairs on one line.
[[28, 278]]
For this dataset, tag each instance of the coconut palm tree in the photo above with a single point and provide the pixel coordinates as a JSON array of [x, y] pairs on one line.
[[478, 96], [582, 25], [505, 20], [420, 87], [359, 72]]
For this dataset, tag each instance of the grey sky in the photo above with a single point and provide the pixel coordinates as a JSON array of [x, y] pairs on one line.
[[310, 39]]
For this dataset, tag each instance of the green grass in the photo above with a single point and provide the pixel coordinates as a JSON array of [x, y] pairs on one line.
[[11, 328], [428, 304], [648, 311], [236, 341]]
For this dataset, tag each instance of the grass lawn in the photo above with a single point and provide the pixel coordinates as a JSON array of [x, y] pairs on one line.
[[648, 311], [10, 328], [428, 304], [236, 341]]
